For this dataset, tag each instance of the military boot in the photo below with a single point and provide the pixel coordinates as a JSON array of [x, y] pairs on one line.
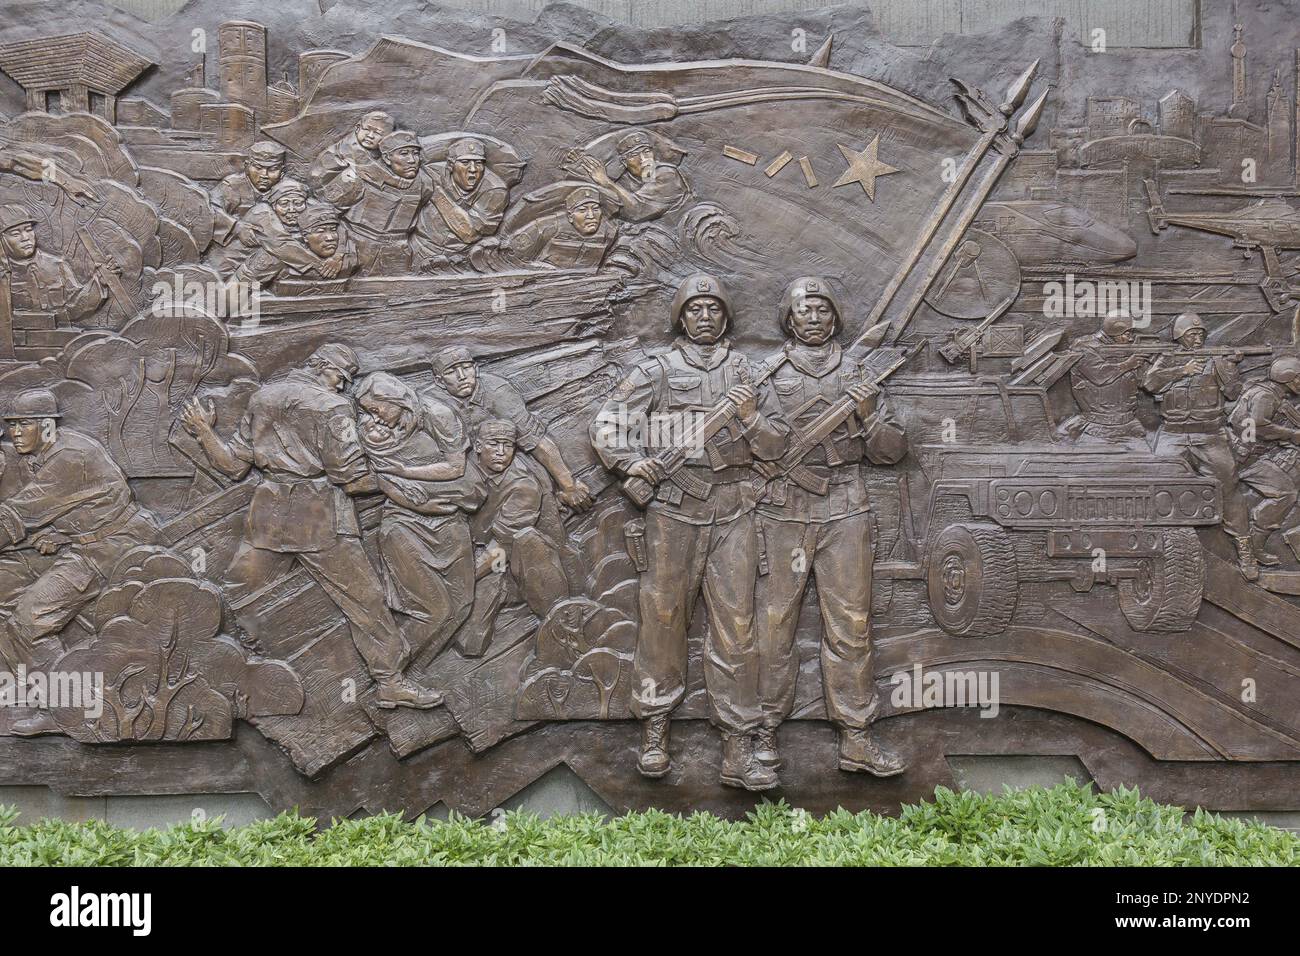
[[402, 692], [1264, 557], [1292, 539], [1246, 562], [740, 769], [860, 752], [765, 748], [654, 761]]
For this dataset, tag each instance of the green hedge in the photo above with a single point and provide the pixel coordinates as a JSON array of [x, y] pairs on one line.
[[1062, 826]]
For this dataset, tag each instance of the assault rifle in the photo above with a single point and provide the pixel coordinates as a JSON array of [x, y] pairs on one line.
[[790, 465], [1156, 347], [674, 457]]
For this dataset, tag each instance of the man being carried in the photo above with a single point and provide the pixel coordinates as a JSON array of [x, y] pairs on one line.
[[321, 235], [358, 147]]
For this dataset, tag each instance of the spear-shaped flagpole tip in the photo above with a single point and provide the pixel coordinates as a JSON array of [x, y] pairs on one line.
[[1028, 121], [1019, 89]]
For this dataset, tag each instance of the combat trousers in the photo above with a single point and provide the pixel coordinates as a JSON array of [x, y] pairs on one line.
[[838, 553], [1277, 490], [533, 563], [49, 591], [721, 559], [1211, 455], [345, 573]]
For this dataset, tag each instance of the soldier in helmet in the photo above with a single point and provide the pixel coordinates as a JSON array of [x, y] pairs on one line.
[[827, 535], [300, 432], [647, 186], [240, 192], [1106, 387], [466, 207], [577, 238], [61, 533], [272, 227], [40, 281], [699, 528], [1190, 390], [1269, 440], [381, 202], [359, 147]]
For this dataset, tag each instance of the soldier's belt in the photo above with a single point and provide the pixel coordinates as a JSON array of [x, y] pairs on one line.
[[1110, 418], [698, 483], [1194, 428], [108, 530]]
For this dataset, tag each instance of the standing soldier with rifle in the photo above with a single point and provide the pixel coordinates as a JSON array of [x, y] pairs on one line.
[[1190, 387], [1267, 428], [815, 520], [699, 524]]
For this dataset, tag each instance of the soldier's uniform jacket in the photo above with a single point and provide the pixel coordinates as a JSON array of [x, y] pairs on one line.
[[809, 382], [554, 240], [664, 394], [493, 397], [346, 154], [654, 198], [75, 489], [1105, 394], [290, 258], [516, 501], [1192, 403], [261, 230], [1261, 403], [46, 283], [484, 206], [378, 203], [235, 194], [302, 436]]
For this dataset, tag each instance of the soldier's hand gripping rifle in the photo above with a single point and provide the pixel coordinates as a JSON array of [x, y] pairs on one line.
[[672, 459], [791, 466]]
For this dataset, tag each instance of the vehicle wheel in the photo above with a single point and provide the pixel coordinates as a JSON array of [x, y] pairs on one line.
[[1166, 594], [972, 579]]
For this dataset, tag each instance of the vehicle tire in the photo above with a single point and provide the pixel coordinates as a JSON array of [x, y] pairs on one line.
[[1166, 596], [972, 579]]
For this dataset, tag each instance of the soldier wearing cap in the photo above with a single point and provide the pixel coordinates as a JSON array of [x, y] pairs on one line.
[[240, 192], [823, 530], [380, 203], [358, 147], [323, 250], [301, 434], [1269, 443], [467, 206], [700, 532], [647, 186], [517, 535], [477, 396], [577, 238], [40, 281], [1106, 387], [1190, 390], [61, 533]]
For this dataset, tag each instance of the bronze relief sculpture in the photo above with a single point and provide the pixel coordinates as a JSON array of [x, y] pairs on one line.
[[714, 426]]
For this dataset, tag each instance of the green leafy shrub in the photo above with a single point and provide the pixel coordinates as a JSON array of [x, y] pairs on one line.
[[1066, 825]]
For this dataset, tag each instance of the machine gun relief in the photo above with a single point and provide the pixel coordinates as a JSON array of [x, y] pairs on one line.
[[1154, 347], [790, 465]]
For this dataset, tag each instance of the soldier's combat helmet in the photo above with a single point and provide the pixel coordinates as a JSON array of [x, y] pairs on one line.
[[1284, 370], [339, 356], [802, 288], [14, 214], [700, 284], [1116, 323], [33, 403], [1185, 323]]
